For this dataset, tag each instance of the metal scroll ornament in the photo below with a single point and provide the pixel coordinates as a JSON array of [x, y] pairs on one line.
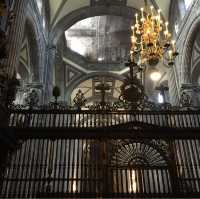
[[132, 92], [79, 100]]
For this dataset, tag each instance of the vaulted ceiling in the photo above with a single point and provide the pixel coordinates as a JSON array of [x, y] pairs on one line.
[[61, 8], [84, 35]]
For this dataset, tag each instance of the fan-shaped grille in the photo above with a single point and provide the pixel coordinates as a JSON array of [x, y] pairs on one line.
[[137, 154]]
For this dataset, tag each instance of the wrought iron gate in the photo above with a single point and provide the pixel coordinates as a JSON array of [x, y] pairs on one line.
[[102, 168]]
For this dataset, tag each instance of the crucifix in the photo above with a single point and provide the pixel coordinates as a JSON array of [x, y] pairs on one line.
[[134, 69], [102, 87]]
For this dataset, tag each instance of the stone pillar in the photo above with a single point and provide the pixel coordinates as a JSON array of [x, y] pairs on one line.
[[190, 95], [49, 72], [8, 82], [15, 31], [15, 35]]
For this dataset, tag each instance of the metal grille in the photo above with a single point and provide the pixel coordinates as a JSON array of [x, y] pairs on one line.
[[92, 119], [102, 168]]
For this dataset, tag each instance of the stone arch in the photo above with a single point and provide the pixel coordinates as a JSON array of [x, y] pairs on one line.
[[195, 75], [31, 76], [34, 54], [195, 59], [86, 12], [187, 46], [33, 36], [83, 78]]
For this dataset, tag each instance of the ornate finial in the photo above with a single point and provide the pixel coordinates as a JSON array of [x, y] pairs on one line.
[[32, 99], [56, 93], [79, 100], [186, 100], [132, 92]]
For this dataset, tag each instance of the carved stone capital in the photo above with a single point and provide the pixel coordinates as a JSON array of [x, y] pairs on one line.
[[23, 93], [190, 95]]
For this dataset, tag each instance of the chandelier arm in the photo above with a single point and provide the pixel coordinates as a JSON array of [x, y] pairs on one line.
[[138, 43], [137, 50]]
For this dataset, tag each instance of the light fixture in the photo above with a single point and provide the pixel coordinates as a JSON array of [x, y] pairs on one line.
[[100, 59], [155, 75], [151, 39]]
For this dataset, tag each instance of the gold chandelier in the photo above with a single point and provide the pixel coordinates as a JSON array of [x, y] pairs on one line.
[[151, 39]]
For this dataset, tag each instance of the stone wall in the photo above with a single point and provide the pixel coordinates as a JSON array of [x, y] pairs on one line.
[[187, 39]]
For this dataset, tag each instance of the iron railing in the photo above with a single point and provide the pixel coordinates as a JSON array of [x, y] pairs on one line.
[[94, 119]]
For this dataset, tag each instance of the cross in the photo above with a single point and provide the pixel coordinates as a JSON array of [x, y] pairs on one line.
[[162, 90], [132, 65], [102, 87]]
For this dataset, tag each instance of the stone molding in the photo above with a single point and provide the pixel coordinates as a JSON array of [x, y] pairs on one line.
[[185, 41]]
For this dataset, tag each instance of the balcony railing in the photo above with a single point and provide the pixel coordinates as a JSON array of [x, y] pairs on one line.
[[94, 119]]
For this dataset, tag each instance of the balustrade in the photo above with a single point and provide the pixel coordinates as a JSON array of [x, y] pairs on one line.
[[94, 119]]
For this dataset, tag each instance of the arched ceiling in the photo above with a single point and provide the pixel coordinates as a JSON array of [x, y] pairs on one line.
[[61, 8], [64, 12], [101, 42]]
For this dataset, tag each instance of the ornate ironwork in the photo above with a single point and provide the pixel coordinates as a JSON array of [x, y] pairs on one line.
[[79, 100], [186, 100], [133, 92], [135, 154], [32, 99]]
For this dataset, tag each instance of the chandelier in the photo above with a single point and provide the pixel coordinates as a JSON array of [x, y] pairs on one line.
[[151, 39]]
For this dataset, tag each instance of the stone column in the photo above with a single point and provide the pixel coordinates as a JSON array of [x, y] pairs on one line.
[[49, 72], [7, 72], [15, 34], [190, 95]]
